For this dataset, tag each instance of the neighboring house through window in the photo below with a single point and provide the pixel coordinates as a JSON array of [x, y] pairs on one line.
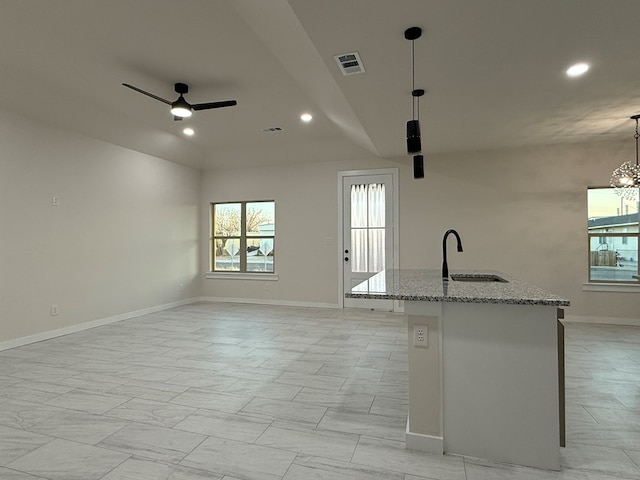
[[243, 237], [613, 236]]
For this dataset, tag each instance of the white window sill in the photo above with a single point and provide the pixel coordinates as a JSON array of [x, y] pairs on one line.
[[269, 277], [611, 287]]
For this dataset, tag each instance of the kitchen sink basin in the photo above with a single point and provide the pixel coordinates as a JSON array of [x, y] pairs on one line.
[[477, 277]]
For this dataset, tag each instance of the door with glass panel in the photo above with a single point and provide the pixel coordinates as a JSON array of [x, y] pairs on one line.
[[368, 232]]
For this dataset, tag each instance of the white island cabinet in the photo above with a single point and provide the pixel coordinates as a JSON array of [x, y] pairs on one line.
[[485, 374]]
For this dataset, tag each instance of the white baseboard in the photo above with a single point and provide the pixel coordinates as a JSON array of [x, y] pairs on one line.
[[634, 322], [423, 443], [262, 301], [59, 332]]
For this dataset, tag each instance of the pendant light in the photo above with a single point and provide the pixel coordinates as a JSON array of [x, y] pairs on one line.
[[414, 143], [626, 178]]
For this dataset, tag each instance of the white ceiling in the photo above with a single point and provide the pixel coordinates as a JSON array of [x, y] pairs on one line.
[[493, 71]]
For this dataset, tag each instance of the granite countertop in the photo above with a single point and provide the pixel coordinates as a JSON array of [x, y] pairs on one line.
[[428, 286]]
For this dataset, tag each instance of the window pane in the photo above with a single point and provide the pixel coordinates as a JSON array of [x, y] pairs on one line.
[[376, 205], [226, 254], [613, 256], [609, 212], [376, 250], [358, 205], [261, 219], [226, 220], [260, 255], [358, 249]]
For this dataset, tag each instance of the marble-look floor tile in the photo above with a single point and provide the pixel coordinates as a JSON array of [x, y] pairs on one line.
[[98, 382], [315, 381], [158, 391], [285, 411], [292, 365], [21, 414], [623, 417], [276, 391], [14, 443], [203, 379], [355, 402], [7, 474], [20, 392], [64, 460], [375, 452], [79, 426], [381, 426], [243, 428], [362, 373], [149, 441], [151, 374], [149, 411], [318, 468], [604, 436], [310, 441], [201, 398], [88, 401], [42, 373], [390, 390], [247, 461], [599, 460], [137, 469], [576, 414], [238, 370], [391, 407]]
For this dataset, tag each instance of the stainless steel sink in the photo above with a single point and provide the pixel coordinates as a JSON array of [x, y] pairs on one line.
[[477, 277]]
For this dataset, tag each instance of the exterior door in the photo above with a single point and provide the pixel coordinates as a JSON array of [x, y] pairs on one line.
[[368, 231]]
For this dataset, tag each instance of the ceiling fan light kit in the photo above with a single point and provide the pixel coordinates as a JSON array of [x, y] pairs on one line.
[[414, 142], [180, 108]]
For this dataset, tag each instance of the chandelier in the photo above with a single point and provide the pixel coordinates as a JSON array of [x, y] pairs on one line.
[[626, 178]]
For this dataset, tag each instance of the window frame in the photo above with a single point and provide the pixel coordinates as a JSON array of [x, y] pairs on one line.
[[244, 239], [602, 236]]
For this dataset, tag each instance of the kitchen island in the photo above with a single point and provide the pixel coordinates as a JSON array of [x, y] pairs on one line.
[[485, 374]]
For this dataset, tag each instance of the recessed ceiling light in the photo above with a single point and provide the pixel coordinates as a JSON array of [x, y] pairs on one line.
[[577, 69], [306, 117], [188, 131]]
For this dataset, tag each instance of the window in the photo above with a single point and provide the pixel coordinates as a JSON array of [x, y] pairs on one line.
[[613, 236], [243, 237]]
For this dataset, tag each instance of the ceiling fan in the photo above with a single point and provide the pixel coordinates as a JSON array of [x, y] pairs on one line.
[[180, 108]]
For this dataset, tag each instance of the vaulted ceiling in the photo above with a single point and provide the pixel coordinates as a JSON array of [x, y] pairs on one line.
[[493, 71]]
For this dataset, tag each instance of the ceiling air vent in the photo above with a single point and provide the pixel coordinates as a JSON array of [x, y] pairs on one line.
[[272, 129], [349, 63]]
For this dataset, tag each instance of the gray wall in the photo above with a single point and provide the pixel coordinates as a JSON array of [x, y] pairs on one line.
[[521, 211], [131, 231], [124, 237]]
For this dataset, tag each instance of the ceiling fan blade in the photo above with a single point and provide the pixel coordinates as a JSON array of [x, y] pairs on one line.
[[206, 106], [147, 93]]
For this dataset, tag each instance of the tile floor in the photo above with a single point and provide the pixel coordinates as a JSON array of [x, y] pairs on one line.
[[227, 391]]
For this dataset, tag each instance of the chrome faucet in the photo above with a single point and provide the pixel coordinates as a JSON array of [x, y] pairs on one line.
[[445, 267]]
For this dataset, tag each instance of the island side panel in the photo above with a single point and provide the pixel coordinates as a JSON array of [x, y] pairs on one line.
[[424, 424], [500, 387]]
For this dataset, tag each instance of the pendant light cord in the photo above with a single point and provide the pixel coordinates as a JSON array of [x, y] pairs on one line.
[[413, 78], [636, 136]]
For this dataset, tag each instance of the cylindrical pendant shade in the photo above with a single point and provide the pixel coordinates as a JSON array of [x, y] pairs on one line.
[[413, 137], [418, 166]]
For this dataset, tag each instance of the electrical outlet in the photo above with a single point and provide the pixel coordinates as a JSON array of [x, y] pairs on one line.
[[54, 310], [267, 286], [420, 336]]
